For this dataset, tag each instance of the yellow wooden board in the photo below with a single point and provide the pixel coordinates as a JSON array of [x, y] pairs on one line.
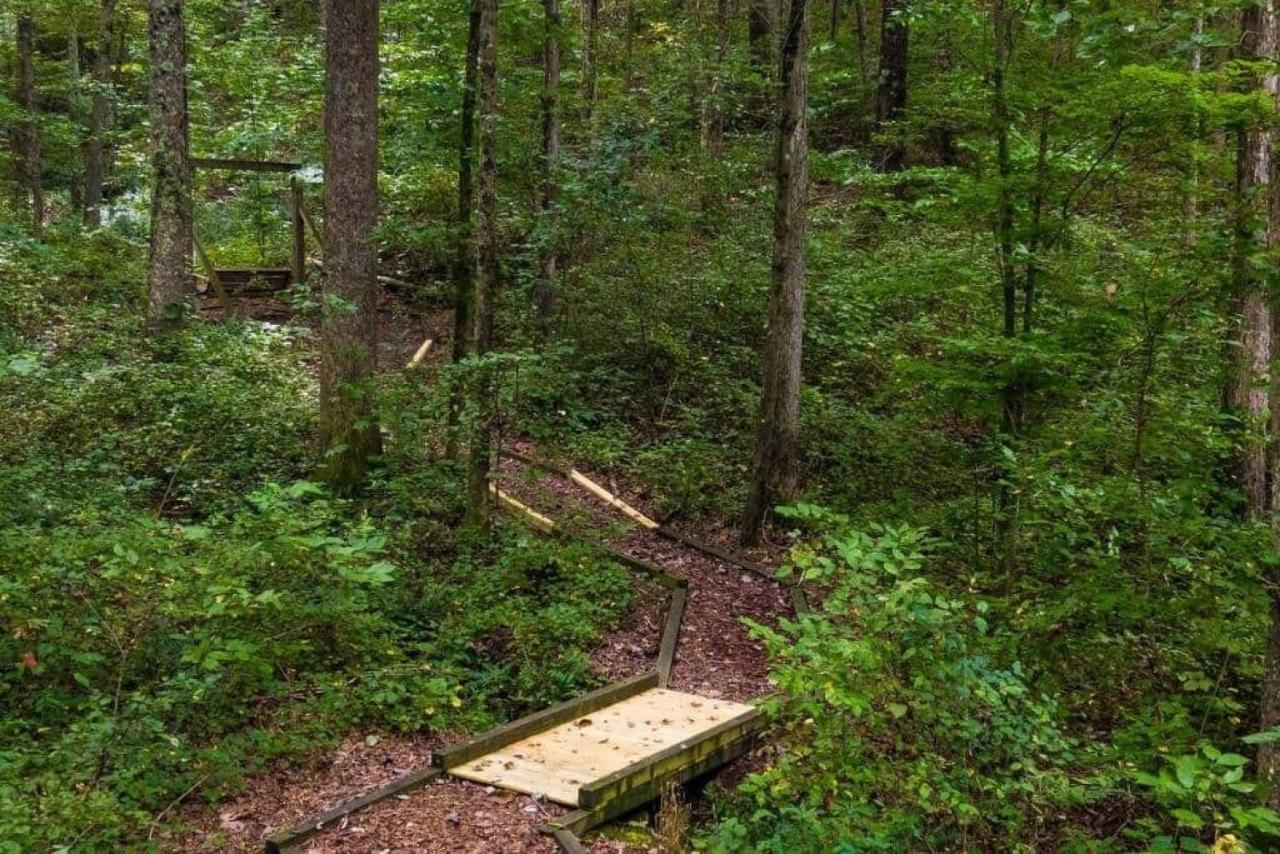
[[555, 763]]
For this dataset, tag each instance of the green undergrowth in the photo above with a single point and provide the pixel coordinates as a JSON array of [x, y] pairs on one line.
[[182, 605]]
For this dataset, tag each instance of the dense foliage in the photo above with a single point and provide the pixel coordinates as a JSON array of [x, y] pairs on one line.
[[181, 603]]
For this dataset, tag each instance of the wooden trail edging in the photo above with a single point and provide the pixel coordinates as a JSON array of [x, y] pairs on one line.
[[291, 837], [799, 598], [633, 785]]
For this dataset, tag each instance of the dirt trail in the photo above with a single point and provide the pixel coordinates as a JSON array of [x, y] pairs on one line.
[[715, 657]]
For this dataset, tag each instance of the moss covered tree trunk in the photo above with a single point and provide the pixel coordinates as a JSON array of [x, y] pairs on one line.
[[169, 281], [349, 432], [486, 267], [24, 135], [891, 86], [775, 466], [95, 149]]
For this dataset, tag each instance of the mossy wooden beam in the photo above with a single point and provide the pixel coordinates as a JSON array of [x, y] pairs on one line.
[[546, 719], [671, 634], [642, 781], [291, 837], [576, 822]]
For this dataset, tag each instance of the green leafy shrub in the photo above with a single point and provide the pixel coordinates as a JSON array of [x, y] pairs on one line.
[[904, 721]]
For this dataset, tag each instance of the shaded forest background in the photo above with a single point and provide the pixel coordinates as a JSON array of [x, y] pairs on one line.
[[1049, 584]]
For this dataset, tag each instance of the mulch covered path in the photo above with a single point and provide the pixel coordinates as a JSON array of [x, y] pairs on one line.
[[715, 657]]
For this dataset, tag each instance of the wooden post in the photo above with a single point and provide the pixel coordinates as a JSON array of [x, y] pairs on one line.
[[214, 278], [299, 232]]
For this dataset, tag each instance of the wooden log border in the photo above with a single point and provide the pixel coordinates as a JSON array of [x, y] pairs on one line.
[[799, 599], [292, 836], [500, 737], [671, 634]]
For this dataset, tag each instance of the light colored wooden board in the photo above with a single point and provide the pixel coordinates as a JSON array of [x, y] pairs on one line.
[[556, 763]]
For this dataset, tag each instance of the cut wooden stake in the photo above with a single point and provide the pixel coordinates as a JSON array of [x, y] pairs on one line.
[[612, 500], [542, 523], [214, 278], [418, 356]]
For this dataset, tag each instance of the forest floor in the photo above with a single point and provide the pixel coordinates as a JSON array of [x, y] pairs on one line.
[[715, 657]]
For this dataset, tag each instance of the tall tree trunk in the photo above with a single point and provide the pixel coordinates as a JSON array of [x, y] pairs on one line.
[[75, 112], [891, 86], [487, 267], [464, 260], [1249, 394], [1035, 239], [1255, 239], [590, 48], [349, 434], [1194, 62], [1010, 395], [860, 34], [775, 466], [714, 107], [545, 296], [25, 134], [99, 115], [835, 20], [169, 282], [760, 17]]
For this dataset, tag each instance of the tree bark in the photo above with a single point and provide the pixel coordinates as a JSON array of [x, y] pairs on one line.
[[1250, 395], [487, 267], [75, 113], [590, 48], [169, 281], [1255, 241], [349, 432], [95, 153], [545, 292], [860, 34], [775, 467], [464, 260], [25, 134], [1010, 394], [714, 107], [891, 87], [760, 17]]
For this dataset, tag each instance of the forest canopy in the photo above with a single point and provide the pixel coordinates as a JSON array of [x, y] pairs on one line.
[[374, 373]]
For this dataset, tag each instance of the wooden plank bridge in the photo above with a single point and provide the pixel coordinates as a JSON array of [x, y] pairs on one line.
[[604, 753]]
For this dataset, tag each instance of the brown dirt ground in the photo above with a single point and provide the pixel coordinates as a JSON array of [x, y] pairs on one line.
[[715, 657]]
